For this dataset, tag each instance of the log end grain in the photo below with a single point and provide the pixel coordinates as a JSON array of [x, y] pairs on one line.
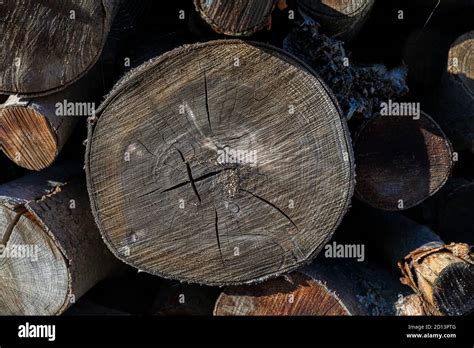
[[291, 295], [33, 271], [401, 161], [47, 45], [454, 288], [236, 18], [223, 166], [26, 138]]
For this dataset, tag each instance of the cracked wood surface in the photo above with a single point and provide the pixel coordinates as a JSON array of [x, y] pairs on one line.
[[44, 49], [66, 256], [166, 204]]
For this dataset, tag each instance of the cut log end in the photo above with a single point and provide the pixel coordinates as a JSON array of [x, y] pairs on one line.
[[48, 45], [292, 295], [237, 170], [26, 138], [236, 18], [400, 161], [33, 271], [454, 288]]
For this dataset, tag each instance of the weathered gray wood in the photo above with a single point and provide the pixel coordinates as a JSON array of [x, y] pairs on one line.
[[401, 161], [236, 17], [33, 131], [327, 288], [442, 274], [341, 18], [47, 45], [48, 215], [455, 103], [170, 200]]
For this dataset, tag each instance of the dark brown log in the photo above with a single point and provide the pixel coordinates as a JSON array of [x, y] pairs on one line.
[[401, 161], [340, 18], [455, 104], [442, 274], [179, 299], [236, 17], [51, 251], [450, 211], [47, 45], [33, 131], [169, 197], [329, 288]]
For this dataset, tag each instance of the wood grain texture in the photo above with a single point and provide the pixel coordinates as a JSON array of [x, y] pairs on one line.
[[66, 256], [455, 107], [165, 201], [34, 131], [325, 288], [46, 45], [341, 18], [400, 159], [236, 17]]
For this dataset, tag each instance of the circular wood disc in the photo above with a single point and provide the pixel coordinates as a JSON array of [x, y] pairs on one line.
[[236, 17], [33, 272], [278, 297], [219, 163], [462, 52], [400, 161], [46, 45]]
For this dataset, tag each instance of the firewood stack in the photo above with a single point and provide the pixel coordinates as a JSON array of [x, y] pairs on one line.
[[247, 157]]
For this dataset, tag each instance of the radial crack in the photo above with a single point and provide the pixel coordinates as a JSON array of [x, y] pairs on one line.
[[207, 102], [216, 227], [272, 205], [11, 226]]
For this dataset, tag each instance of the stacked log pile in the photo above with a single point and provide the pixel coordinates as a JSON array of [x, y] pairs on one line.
[[233, 146]]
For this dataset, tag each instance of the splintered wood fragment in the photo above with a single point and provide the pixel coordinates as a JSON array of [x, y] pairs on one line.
[[327, 288], [401, 161], [455, 107], [51, 251], [33, 131], [450, 211], [227, 173], [443, 274], [340, 18], [47, 45], [236, 17]]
